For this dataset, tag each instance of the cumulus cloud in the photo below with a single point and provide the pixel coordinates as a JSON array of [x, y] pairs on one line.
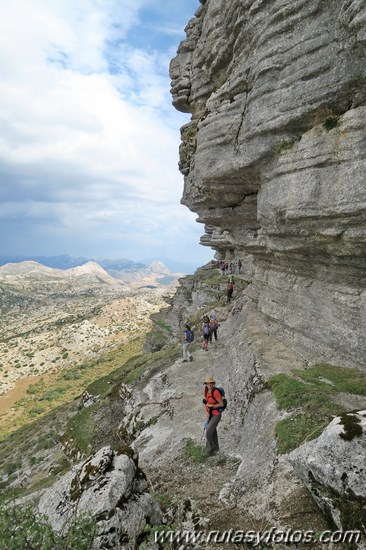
[[88, 137]]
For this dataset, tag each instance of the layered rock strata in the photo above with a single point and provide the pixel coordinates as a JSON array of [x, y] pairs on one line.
[[274, 159]]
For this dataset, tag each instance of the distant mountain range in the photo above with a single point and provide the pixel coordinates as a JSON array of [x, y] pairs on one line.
[[126, 272], [30, 269], [65, 261]]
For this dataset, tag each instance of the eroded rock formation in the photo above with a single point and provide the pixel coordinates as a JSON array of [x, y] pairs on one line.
[[274, 159], [110, 487], [333, 469]]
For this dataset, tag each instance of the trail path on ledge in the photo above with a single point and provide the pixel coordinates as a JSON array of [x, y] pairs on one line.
[[171, 471], [162, 446]]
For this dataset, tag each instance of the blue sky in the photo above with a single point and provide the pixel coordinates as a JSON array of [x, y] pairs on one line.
[[88, 136]]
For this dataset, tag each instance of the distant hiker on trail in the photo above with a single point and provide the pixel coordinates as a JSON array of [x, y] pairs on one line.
[[229, 290], [206, 331], [213, 324], [222, 267], [239, 266], [186, 340], [212, 400], [213, 329]]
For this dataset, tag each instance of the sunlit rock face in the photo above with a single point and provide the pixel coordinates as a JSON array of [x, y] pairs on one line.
[[274, 159]]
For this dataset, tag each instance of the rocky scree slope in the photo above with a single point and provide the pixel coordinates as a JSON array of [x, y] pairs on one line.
[[274, 159]]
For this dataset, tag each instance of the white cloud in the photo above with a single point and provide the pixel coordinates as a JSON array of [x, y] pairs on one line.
[[88, 137]]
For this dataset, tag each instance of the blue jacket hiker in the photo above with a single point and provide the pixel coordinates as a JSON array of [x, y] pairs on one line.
[[186, 340]]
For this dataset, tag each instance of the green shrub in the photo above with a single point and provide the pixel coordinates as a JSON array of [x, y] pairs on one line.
[[71, 375], [36, 388], [12, 467], [81, 427], [163, 325], [21, 527], [53, 395], [335, 379], [330, 123], [35, 411]]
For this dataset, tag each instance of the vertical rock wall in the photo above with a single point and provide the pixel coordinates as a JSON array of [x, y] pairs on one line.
[[274, 159]]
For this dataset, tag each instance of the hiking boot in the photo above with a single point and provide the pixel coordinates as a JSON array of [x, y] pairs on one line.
[[208, 453], [191, 358], [184, 361]]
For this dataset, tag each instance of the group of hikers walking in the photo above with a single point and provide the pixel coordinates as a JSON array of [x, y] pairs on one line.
[[213, 398], [230, 268], [209, 327]]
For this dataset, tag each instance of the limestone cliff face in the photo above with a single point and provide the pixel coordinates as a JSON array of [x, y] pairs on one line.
[[274, 159]]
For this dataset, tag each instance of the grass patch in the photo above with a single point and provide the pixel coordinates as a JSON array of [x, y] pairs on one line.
[[194, 452], [165, 501], [164, 326], [81, 428], [335, 379], [284, 146], [309, 401]]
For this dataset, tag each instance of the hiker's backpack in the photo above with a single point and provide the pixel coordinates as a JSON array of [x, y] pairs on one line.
[[189, 336], [224, 400]]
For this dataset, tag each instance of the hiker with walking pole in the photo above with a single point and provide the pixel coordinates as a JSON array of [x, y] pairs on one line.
[[214, 405]]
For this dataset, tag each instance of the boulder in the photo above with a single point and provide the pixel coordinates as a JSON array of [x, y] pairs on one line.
[[110, 487], [333, 469]]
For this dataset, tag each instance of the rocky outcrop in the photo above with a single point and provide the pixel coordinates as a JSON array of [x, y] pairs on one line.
[[274, 159], [110, 487], [333, 469]]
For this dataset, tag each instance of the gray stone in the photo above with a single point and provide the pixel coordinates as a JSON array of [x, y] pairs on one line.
[[107, 487], [333, 469]]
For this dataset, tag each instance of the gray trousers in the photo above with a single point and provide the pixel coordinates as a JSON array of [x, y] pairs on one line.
[[186, 353], [212, 441]]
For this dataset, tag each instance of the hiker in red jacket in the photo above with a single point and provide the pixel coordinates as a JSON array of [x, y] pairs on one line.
[[213, 401]]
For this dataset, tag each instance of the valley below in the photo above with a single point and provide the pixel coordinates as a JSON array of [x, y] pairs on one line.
[[58, 323]]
